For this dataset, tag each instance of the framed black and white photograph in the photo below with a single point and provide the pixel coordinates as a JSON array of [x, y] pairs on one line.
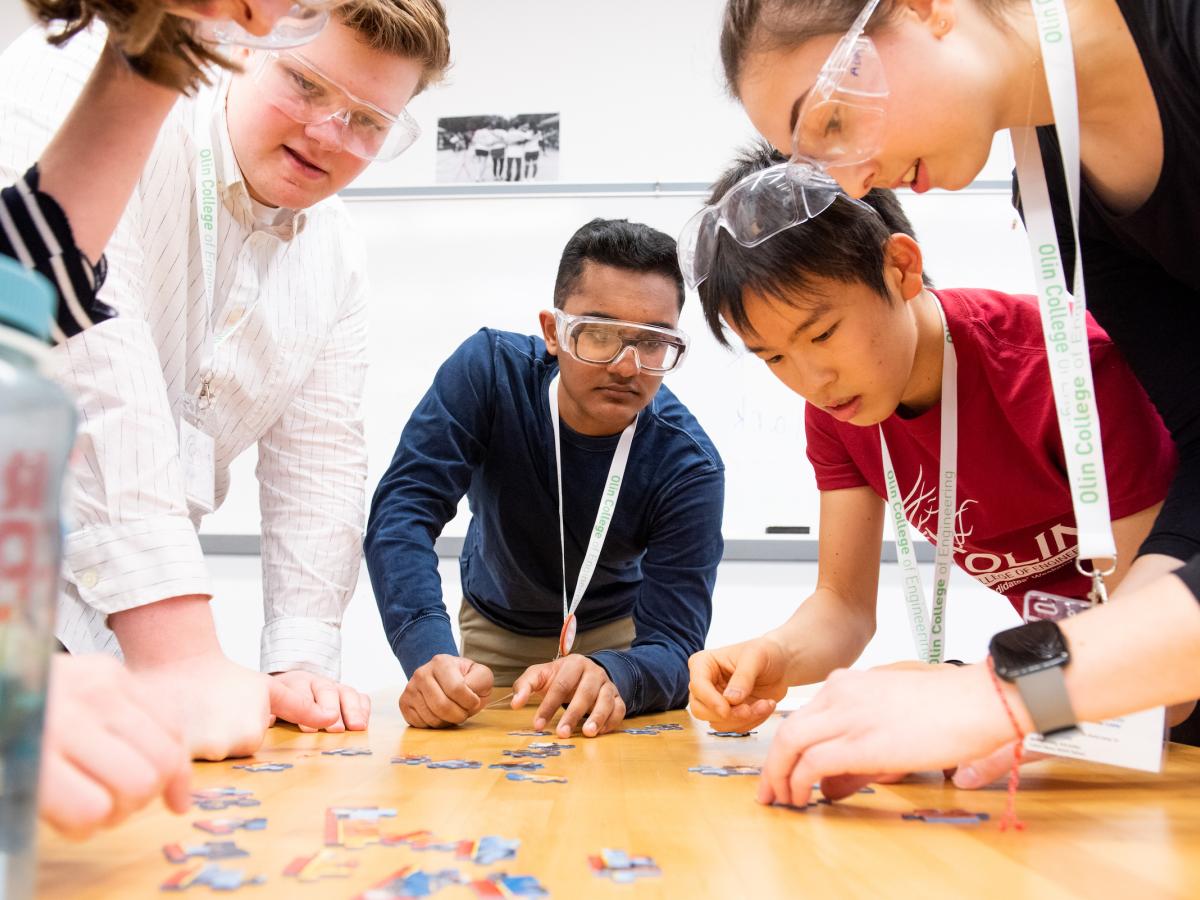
[[492, 148]]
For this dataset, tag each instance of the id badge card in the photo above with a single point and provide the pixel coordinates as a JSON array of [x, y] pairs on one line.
[[197, 455], [1132, 742]]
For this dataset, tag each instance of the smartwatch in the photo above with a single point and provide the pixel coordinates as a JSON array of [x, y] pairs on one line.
[[1032, 656]]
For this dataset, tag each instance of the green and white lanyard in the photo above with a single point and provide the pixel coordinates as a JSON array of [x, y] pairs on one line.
[[604, 515], [1063, 309], [929, 631]]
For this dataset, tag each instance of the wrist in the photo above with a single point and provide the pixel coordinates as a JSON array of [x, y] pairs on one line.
[[115, 76], [169, 631], [999, 703]]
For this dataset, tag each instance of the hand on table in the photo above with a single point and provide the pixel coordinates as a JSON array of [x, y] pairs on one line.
[[581, 681], [445, 691], [315, 703], [109, 747], [737, 687], [883, 722]]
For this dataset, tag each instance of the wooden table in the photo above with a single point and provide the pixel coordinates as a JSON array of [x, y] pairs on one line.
[[1092, 831]]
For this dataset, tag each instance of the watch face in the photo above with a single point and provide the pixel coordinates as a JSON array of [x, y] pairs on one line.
[[1027, 649]]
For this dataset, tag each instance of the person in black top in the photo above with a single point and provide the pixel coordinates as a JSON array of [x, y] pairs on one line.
[[953, 73]]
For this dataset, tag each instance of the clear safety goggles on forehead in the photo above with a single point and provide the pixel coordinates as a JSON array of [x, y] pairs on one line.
[[601, 342], [758, 207], [299, 25], [302, 92], [842, 117]]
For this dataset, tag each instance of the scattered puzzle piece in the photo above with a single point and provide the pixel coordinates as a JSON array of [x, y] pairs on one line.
[[179, 853], [622, 868], [948, 816], [492, 849], [354, 827], [517, 767], [325, 863], [405, 883], [654, 728], [410, 759], [499, 884], [732, 734], [724, 771], [265, 767], [536, 779], [230, 825], [454, 764], [530, 733], [347, 751], [211, 875], [223, 798]]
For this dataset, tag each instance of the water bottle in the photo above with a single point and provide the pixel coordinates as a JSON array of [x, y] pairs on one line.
[[37, 430]]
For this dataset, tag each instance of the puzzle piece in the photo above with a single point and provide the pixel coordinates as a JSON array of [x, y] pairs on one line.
[[946, 817], [622, 868], [178, 853], [492, 848], [724, 771], [347, 751], [223, 798], [654, 728], [211, 875], [732, 734], [531, 733], [265, 767], [406, 883], [410, 759], [536, 779], [454, 764], [230, 825], [499, 884], [517, 767], [325, 863], [354, 827]]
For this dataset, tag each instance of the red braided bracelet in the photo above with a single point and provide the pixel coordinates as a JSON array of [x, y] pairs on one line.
[[1014, 777]]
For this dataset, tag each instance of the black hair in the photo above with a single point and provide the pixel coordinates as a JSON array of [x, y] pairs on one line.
[[844, 243], [621, 244]]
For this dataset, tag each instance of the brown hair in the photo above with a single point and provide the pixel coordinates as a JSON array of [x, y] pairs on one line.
[[158, 46], [414, 29], [757, 26]]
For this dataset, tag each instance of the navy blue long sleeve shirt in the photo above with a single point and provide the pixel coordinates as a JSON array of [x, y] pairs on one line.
[[483, 429]]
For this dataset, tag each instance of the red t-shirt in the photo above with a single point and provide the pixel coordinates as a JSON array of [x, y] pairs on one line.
[[1016, 528]]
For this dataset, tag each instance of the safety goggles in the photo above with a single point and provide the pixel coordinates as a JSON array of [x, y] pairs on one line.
[[842, 117], [297, 26], [601, 342], [302, 92], [758, 207]]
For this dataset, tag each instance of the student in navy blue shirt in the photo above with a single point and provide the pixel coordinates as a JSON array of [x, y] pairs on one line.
[[484, 429]]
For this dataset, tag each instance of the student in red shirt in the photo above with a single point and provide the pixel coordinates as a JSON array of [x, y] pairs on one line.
[[840, 310]]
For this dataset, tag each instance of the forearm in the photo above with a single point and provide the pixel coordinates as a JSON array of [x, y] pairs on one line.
[[1135, 654], [824, 634], [174, 629], [95, 159]]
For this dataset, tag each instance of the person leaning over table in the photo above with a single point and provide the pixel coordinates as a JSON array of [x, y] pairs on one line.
[[509, 418]]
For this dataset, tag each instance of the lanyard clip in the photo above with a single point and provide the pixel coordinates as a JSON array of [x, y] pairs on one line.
[[1099, 593]]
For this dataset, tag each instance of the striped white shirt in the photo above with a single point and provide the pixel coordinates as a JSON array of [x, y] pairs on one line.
[[289, 377]]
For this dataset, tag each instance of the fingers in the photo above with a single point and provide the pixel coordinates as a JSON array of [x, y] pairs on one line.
[[355, 708], [744, 716], [788, 773], [838, 786], [582, 701], [413, 708], [980, 773], [749, 665], [559, 688], [119, 768], [479, 679], [326, 693], [607, 714], [444, 687], [299, 704], [70, 801], [708, 703], [531, 681]]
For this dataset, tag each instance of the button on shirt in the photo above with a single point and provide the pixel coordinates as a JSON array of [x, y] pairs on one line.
[[290, 302]]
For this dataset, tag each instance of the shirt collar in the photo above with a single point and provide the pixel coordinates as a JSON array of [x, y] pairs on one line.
[[231, 183]]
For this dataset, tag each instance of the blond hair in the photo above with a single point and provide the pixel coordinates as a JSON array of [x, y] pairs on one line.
[[158, 46], [413, 29]]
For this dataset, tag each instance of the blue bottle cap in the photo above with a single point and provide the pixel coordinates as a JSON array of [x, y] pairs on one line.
[[27, 300]]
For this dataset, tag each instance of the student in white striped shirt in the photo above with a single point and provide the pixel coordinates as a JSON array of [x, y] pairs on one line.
[[273, 355]]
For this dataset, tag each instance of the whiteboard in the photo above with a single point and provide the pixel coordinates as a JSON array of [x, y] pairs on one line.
[[639, 87]]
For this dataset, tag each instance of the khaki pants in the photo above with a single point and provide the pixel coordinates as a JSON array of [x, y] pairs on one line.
[[508, 654]]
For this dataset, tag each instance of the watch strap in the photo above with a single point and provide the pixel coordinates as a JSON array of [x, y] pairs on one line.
[[1045, 696]]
